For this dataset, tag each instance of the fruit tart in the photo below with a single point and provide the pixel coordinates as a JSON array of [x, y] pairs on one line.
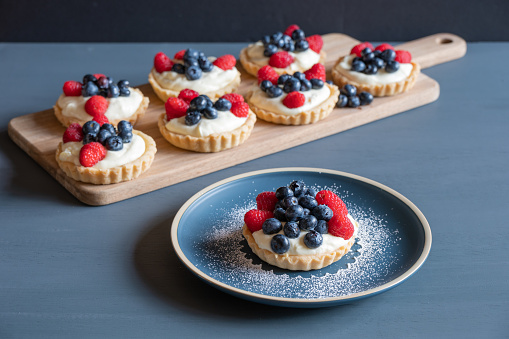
[[298, 99], [121, 101], [191, 69], [381, 71], [194, 122], [286, 52], [102, 154], [297, 229]]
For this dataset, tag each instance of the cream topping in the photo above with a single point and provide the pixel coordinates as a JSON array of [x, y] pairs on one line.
[[226, 121], [119, 108], [381, 77], [314, 98], [302, 60], [130, 152], [297, 246]]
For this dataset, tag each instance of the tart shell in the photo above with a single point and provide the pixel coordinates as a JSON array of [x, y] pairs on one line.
[[112, 175], [212, 143], [66, 121], [341, 77], [307, 117]]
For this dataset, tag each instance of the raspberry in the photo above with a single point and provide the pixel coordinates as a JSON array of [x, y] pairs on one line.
[[383, 47], [175, 108], [179, 55], [341, 226], [280, 59], [315, 42], [267, 73], [240, 109], [290, 30], [254, 219], [225, 62], [99, 75], [357, 49], [294, 100], [334, 202], [187, 95], [72, 88], [91, 154], [403, 57], [162, 63], [317, 71], [73, 133], [101, 119], [96, 105], [266, 201], [233, 97]]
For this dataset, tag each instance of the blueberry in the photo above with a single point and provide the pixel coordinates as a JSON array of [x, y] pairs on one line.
[[316, 83], [193, 73], [308, 202], [354, 101], [192, 118], [297, 186], [198, 103], [365, 98], [109, 128], [366, 51], [88, 138], [294, 213], [271, 226], [269, 50], [313, 239], [308, 222], [289, 46], [265, 39], [378, 63], [274, 92], [377, 53], [103, 135], [289, 201], [358, 66], [279, 214], [280, 43], [124, 125], [123, 83], [311, 192], [368, 57], [102, 83], [178, 68], [322, 227], [91, 127], [103, 93], [113, 91], [89, 78], [283, 192], [392, 66], [388, 55], [276, 37], [298, 34], [124, 92], [301, 45], [209, 113], [265, 85], [282, 79], [329, 82], [322, 212], [110, 80], [205, 65], [126, 136], [342, 101], [191, 54], [349, 90], [305, 85], [291, 85], [280, 244], [291, 230], [222, 105], [89, 89], [306, 211], [114, 143], [299, 75], [370, 69], [191, 62]]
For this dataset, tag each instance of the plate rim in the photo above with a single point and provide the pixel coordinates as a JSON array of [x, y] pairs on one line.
[[303, 301]]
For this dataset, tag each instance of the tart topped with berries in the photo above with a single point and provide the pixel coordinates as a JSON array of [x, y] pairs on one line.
[[298, 229], [192, 69], [196, 123], [102, 154], [286, 52], [298, 99], [381, 71], [121, 102]]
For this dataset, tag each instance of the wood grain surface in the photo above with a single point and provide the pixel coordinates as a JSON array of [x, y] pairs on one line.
[[38, 134]]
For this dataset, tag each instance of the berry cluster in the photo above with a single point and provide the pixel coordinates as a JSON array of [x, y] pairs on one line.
[[293, 209], [292, 40], [348, 97], [97, 84], [370, 60]]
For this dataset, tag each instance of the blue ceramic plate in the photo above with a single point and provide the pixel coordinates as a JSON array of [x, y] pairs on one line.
[[393, 241]]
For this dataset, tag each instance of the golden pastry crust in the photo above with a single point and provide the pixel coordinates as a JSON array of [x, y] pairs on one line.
[[112, 175], [253, 68], [164, 94], [307, 117], [66, 121], [341, 77], [296, 262], [213, 143]]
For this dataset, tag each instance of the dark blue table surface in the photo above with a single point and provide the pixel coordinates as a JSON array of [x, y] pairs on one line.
[[71, 270]]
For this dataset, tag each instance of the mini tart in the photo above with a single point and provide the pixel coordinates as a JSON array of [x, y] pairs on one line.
[[296, 262], [164, 94], [253, 68], [66, 121], [341, 77], [212, 143], [307, 117], [112, 175]]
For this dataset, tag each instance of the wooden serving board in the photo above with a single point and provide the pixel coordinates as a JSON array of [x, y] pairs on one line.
[[39, 133]]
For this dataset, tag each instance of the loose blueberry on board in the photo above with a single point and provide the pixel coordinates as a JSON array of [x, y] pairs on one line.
[[114, 143], [316, 83], [392, 66], [91, 127], [354, 101], [308, 222], [283, 192], [126, 136], [342, 101], [271, 226], [280, 244], [192, 118], [291, 85], [313, 239], [179, 68], [322, 212], [322, 227], [222, 105], [365, 98], [349, 90], [193, 73], [291, 230], [209, 113], [294, 213]]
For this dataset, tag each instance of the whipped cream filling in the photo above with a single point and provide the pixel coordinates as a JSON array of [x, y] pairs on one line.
[[297, 246], [226, 121], [314, 98], [119, 108], [381, 77], [130, 152], [302, 60]]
